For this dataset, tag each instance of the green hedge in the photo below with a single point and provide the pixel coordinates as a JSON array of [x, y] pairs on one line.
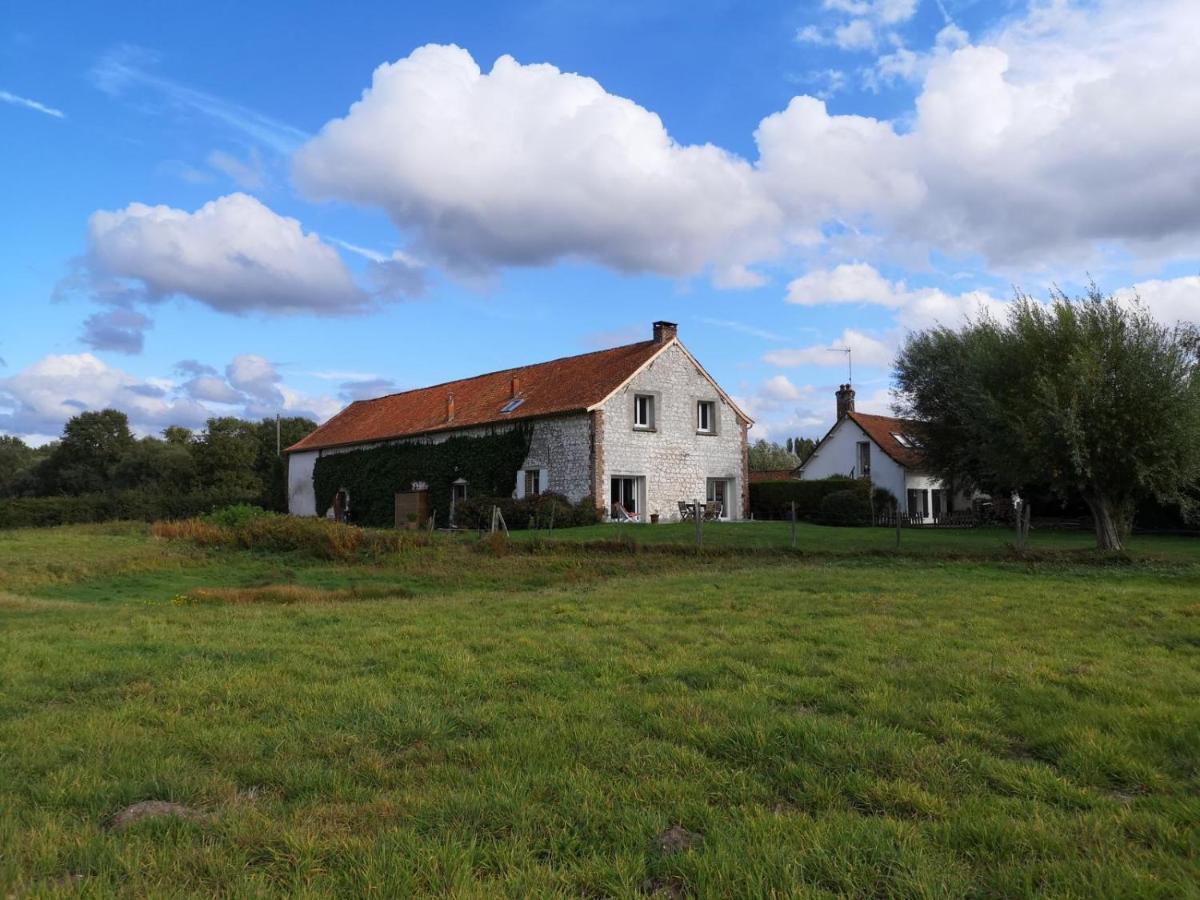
[[773, 499], [846, 507], [146, 506], [489, 464]]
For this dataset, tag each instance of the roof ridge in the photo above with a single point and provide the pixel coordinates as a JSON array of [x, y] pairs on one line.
[[544, 362]]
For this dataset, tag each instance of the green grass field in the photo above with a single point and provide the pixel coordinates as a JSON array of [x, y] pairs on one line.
[[947, 721]]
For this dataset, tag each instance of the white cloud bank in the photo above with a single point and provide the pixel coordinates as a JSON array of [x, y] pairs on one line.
[[39, 399], [1070, 132], [861, 283]]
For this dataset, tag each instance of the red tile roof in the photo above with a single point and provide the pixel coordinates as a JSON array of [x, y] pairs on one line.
[[570, 384], [882, 430]]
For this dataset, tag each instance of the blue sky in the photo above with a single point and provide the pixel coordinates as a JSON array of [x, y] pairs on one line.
[[197, 222]]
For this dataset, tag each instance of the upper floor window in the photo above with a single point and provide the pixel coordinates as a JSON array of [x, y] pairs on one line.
[[706, 416], [643, 411], [864, 459]]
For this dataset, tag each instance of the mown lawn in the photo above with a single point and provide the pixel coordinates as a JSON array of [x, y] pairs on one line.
[[531, 724]]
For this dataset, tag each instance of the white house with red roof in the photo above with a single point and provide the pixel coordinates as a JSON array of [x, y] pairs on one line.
[[639, 428], [885, 450]]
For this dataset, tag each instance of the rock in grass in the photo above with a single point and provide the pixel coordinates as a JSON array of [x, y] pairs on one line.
[[154, 809], [676, 839]]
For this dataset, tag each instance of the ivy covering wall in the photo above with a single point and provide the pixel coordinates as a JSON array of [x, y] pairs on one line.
[[488, 463]]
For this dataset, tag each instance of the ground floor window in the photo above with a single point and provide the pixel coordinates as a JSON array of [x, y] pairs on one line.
[[918, 502], [941, 501], [624, 497], [533, 482], [720, 490]]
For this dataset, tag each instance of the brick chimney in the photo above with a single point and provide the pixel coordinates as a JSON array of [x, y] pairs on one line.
[[516, 386], [845, 400], [449, 407], [665, 331]]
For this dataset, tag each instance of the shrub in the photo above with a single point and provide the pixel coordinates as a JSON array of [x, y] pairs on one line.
[[529, 512], [846, 507], [287, 534], [773, 499], [236, 515], [883, 500]]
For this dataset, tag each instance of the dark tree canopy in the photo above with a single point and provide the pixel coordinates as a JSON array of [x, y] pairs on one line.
[[98, 454], [92, 444], [1091, 396]]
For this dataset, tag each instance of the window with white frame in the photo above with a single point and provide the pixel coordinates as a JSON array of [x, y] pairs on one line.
[[643, 411], [706, 417], [533, 482]]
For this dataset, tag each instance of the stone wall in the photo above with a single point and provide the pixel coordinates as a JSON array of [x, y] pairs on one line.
[[673, 458], [562, 446]]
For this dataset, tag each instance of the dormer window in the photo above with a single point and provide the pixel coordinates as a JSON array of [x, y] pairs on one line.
[[512, 404]]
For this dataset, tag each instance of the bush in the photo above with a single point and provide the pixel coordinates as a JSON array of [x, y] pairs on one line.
[[529, 512], [236, 515], [286, 534], [773, 499], [846, 507]]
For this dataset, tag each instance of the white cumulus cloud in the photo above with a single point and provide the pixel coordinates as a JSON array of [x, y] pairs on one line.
[[36, 401], [233, 254], [526, 165], [866, 351]]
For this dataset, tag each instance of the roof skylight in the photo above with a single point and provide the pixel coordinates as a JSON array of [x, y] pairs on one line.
[[512, 404]]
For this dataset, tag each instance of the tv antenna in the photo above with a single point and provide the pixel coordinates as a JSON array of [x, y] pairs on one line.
[[849, 360]]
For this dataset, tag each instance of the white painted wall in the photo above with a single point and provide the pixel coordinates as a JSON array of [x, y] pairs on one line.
[[301, 501], [838, 456], [674, 460]]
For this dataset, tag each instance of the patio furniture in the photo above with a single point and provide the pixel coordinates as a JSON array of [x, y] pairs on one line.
[[712, 510], [687, 512]]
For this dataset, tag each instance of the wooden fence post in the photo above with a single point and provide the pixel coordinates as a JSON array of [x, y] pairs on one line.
[[793, 524], [698, 515], [896, 507]]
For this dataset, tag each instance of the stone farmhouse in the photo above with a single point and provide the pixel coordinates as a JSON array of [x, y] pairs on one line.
[[883, 449], [639, 428]]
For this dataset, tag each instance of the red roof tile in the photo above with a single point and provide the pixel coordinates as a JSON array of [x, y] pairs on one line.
[[570, 384], [882, 430]]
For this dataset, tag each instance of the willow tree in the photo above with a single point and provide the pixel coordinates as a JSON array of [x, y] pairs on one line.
[[1092, 396]]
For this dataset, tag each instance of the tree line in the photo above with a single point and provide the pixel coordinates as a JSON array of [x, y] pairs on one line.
[[772, 456], [99, 454]]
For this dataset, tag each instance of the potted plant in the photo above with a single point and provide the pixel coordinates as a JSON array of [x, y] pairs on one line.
[[654, 517]]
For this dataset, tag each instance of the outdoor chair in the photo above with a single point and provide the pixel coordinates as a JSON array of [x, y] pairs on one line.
[[712, 510], [687, 512]]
